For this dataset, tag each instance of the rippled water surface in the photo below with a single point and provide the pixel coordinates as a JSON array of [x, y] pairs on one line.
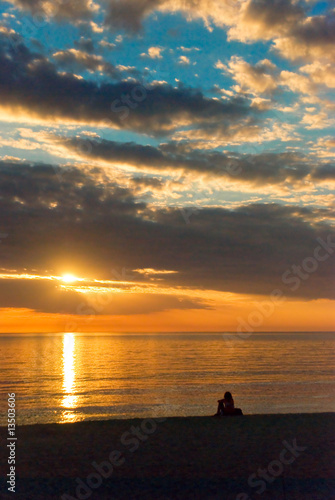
[[70, 377]]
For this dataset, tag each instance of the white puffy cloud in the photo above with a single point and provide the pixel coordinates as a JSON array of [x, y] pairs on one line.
[[258, 79], [154, 53], [319, 120], [321, 73], [297, 83], [184, 61]]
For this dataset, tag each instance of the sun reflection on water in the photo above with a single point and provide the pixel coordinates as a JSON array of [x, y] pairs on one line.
[[69, 399]]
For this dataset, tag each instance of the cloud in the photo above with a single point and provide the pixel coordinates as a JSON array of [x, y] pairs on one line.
[[295, 35], [129, 14], [147, 183], [261, 103], [297, 83], [189, 49], [107, 45], [108, 211], [245, 20], [257, 79], [75, 60], [48, 297], [184, 61], [325, 145], [263, 20], [319, 121], [155, 52], [9, 32], [79, 222], [32, 87], [265, 78], [59, 9], [311, 39], [85, 45], [325, 172], [320, 73], [250, 130], [257, 169]]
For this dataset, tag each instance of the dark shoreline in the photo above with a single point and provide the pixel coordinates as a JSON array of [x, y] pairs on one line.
[[178, 458]]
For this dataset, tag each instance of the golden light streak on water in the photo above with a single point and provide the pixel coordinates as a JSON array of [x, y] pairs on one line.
[[69, 375]]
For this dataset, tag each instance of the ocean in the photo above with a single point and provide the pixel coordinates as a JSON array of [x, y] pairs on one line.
[[75, 376]]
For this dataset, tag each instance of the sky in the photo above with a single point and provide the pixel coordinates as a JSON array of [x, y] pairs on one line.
[[167, 165]]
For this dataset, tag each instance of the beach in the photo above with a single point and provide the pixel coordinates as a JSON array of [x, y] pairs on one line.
[[254, 456]]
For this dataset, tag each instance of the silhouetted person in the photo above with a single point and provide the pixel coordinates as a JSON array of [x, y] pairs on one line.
[[226, 406]]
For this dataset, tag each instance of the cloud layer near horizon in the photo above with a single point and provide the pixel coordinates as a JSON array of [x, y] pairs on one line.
[[94, 227]]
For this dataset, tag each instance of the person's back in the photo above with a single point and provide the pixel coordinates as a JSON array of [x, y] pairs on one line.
[[228, 402]]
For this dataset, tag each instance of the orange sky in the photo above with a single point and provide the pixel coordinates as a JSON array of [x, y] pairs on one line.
[[315, 315]]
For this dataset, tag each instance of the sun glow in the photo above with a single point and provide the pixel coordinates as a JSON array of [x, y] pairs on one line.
[[69, 278]]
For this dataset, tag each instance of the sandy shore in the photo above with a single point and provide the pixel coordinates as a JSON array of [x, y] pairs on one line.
[[251, 457]]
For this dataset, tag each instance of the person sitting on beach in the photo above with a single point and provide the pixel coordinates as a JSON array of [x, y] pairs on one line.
[[226, 405]]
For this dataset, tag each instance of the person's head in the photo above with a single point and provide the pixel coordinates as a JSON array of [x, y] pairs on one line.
[[228, 396]]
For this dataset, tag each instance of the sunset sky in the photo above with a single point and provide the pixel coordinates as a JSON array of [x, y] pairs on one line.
[[167, 165]]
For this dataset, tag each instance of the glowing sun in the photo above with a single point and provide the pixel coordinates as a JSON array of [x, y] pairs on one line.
[[69, 278]]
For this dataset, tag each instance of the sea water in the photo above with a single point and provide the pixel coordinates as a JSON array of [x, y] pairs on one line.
[[72, 376]]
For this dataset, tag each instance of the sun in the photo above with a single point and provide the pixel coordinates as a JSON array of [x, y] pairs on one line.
[[69, 278]]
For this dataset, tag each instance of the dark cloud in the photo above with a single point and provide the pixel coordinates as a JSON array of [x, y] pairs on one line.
[[128, 14], [72, 10], [259, 169], [31, 83], [49, 297], [41, 296], [324, 172], [316, 30], [85, 44], [275, 16], [82, 223], [311, 39]]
